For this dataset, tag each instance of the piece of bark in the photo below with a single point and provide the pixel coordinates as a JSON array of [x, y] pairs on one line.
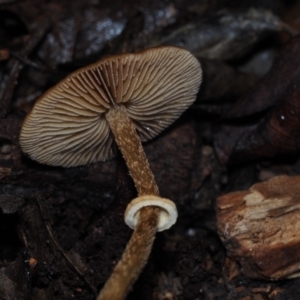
[[259, 228]]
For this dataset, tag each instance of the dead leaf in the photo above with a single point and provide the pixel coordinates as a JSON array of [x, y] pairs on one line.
[[273, 86], [271, 133], [223, 35]]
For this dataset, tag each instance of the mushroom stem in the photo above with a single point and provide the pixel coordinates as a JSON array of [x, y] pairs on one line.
[[139, 247], [132, 150], [134, 257]]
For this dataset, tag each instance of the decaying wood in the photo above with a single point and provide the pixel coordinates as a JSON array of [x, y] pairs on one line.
[[260, 227]]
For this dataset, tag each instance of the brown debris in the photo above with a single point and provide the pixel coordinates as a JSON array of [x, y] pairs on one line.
[[4, 172], [231, 269], [4, 54], [169, 287]]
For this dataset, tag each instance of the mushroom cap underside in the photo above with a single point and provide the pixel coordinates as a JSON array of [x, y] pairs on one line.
[[68, 127]]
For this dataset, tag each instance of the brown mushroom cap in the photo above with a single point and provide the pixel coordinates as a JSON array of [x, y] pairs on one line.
[[67, 126]]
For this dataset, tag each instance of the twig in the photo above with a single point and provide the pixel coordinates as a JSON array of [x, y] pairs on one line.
[[28, 62], [290, 30]]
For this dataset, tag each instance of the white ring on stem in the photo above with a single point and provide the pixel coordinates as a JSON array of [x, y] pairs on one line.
[[168, 212]]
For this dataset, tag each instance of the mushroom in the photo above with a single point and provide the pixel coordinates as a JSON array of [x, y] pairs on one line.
[[126, 98]]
